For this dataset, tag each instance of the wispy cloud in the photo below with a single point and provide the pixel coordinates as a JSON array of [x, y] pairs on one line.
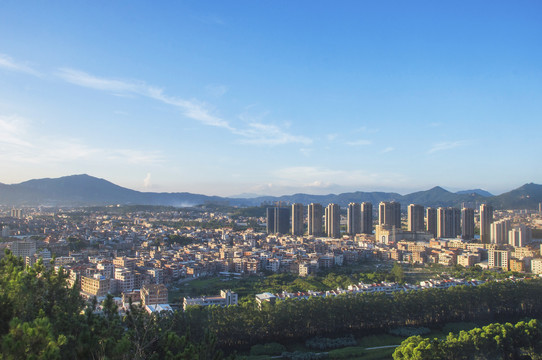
[[216, 90], [445, 145], [255, 131], [388, 149], [367, 130], [8, 63], [268, 134], [16, 148], [359, 142], [191, 108], [13, 131]]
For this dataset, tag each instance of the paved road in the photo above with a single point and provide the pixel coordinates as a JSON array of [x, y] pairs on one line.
[[381, 347]]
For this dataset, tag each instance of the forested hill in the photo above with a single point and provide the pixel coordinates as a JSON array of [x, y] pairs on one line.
[[85, 190]]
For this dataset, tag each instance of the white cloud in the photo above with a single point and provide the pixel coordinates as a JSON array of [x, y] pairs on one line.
[[359, 142], [191, 108], [388, 149], [268, 134], [445, 145], [16, 147], [216, 90], [13, 131], [367, 130], [147, 181], [9, 64], [255, 131]]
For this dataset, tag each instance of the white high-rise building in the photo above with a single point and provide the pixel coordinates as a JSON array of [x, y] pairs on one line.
[[519, 236], [499, 232]]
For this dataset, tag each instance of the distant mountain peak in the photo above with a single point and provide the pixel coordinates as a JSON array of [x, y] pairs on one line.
[[475, 191]]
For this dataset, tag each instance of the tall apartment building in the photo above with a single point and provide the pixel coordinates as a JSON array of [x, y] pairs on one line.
[[467, 223], [520, 236], [415, 218], [278, 220], [353, 219], [499, 232], [389, 214], [486, 218], [448, 222], [366, 218], [333, 221], [124, 279], [431, 221], [498, 259], [16, 213], [298, 218], [314, 219]]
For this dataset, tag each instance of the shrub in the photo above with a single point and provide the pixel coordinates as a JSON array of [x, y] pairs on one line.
[[347, 352], [408, 331], [267, 349], [322, 343]]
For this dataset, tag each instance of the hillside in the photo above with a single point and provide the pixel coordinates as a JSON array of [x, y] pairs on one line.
[[85, 190]]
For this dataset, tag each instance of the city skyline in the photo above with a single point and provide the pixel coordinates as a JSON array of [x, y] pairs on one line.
[[272, 99]]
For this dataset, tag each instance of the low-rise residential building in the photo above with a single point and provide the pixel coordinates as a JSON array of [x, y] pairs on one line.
[[226, 298], [153, 294]]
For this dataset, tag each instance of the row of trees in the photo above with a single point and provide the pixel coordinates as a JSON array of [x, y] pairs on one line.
[[493, 342], [239, 327]]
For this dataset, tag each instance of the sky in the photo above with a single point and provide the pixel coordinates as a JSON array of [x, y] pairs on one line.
[[273, 97]]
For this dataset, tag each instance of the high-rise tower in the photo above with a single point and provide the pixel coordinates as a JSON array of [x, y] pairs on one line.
[[389, 214], [415, 217], [366, 218], [448, 222], [297, 219], [486, 218], [314, 219], [431, 221], [467, 223], [278, 220], [353, 219], [333, 221]]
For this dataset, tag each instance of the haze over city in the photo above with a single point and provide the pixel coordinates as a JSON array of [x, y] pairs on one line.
[[223, 98]]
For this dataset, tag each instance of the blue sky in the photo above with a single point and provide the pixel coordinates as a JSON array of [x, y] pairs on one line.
[[273, 97]]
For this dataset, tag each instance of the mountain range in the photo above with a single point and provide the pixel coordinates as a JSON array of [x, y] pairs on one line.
[[85, 190]]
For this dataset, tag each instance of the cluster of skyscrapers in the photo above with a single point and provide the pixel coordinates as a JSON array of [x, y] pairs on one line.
[[442, 222], [320, 221]]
